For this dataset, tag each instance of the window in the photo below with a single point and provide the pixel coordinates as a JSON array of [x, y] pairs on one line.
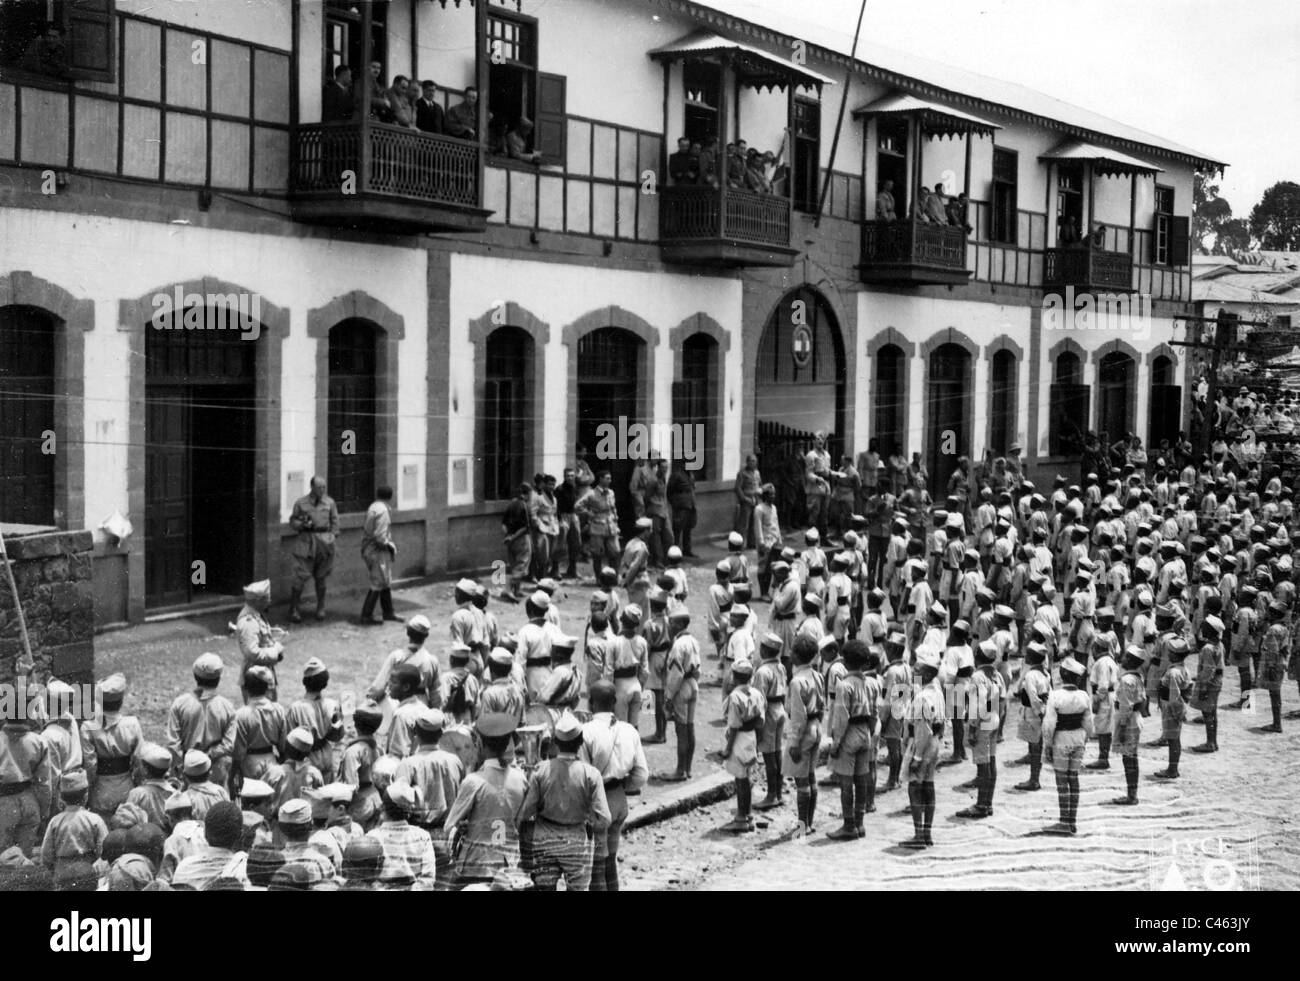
[[343, 39], [1171, 243], [695, 406], [504, 412], [26, 415], [1002, 398], [1004, 215], [353, 355], [807, 153], [517, 90], [890, 365], [1166, 404], [1069, 407], [59, 38], [891, 159], [702, 82], [1069, 203]]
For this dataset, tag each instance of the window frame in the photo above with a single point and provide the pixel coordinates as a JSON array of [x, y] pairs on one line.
[[798, 180], [1005, 209], [528, 46], [67, 14]]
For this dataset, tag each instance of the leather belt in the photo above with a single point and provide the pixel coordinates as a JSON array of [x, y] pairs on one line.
[[265, 751], [782, 616], [1069, 721], [14, 789], [751, 725], [615, 784], [537, 662], [862, 720], [814, 716], [113, 766], [623, 673]]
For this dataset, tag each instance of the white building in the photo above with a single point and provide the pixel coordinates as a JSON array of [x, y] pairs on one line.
[[460, 320]]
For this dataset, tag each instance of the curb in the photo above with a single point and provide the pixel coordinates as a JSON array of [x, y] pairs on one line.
[[697, 793]]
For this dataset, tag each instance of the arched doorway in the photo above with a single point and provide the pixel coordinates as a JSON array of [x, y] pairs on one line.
[[610, 368], [799, 388], [1002, 402], [1117, 384], [200, 438], [889, 388], [27, 453], [352, 409], [1165, 413], [948, 414]]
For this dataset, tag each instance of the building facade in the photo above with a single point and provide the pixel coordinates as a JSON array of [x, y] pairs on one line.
[[212, 288]]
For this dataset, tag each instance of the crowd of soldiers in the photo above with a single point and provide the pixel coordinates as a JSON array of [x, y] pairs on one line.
[[1083, 609]]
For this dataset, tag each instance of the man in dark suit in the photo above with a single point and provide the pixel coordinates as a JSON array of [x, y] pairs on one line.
[[337, 101], [428, 114]]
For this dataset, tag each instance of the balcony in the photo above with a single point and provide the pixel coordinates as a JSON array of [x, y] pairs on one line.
[[724, 226], [912, 252], [402, 181], [1088, 270]]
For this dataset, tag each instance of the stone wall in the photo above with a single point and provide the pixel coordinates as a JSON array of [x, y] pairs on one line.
[[53, 571]]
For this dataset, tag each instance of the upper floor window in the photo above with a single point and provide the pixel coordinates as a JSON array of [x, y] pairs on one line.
[[891, 161], [343, 45], [1069, 203], [807, 153], [1171, 241], [59, 38], [702, 82], [1003, 211], [526, 107]]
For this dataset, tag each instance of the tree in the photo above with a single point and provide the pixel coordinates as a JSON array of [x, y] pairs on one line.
[[1275, 221], [1233, 237], [1209, 212]]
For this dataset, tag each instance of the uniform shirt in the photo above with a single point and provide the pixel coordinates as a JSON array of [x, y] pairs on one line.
[[563, 687], [320, 714], [358, 758], [718, 605], [488, 802], [466, 627], [375, 528], [318, 517], [1104, 675], [409, 858], [984, 699], [624, 652], [1175, 687], [74, 833], [682, 684], [856, 695], [767, 526], [402, 740], [1209, 667], [299, 775], [205, 793], [1035, 687], [925, 711], [421, 660], [257, 645], [24, 758], [566, 791], [956, 658], [260, 725], [1130, 693], [186, 839], [769, 681], [1068, 700], [438, 774], [806, 701], [636, 557], [208, 864], [812, 628], [502, 695], [200, 720], [63, 740], [600, 508], [614, 748], [151, 797]]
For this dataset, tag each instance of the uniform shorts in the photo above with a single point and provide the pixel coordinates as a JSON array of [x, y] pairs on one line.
[[1125, 741], [1067, 759], [683, 711], [1171, 724], [19, 817], [559, 851], [984, 745], [854, 759], [772, 735]]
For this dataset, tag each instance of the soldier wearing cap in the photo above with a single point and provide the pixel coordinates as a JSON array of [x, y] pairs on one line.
[[896, 694], [926, 720], [257, 800], [719, 605], [767, 537], [74, 834], [1175, 689], [197, 770], [985, 707], [482, 819], [258, 642], [564, 688], [743, 711], [816, 481], [259, 729], [24, 782], [1275, 655], [681, 690], [1067, 724], [405, 687], [152, 793], [1130, 708], [769, 680], [1035, 687], [737, 560], [417, 656], [807, 705], [62, 735], [920, 599], [501, 695], [626, 664], [786, 601], [566, 802], [633, 568], [109, 745], [614, 749], [319, 714], [1209, 682], [811, 624], [655, 632], [355, 766], [202, 719], [316, 519], [1103, 679], [294, 821], [469, 624], [378, 551], [186, 836], [298, 775], [437, 775], [853, 730], [740, 644], [460, 687]]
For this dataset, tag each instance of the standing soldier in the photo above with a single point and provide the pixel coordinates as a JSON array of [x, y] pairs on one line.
[[599, 508], [437, 774], [983, 718], [405, 687], [807, 705], [1175, 688], [201, 719], [533, 650], [1275, 654], [74, 834], [152, 793], [566, 801], [321, 715], [260, 728], [481, 827], [719, 606], [516, 524], [1103, 678], [896, 693], [614, 749], [853, 739], [468, 624], [742, 710], [359, 757], [1035, 687], [633, 568], [501, 695], [767, 537], [1209, 681], [1130, 708], [658, 641], [378, 551], [24, 783], [681, 690], [770, 682], [785, 605], [816, 481], [299, 775], [926, 717], [417, 656], [258, 643], [109, 747], [626, 664], [62, 735], [1067, 724], [316, 520]]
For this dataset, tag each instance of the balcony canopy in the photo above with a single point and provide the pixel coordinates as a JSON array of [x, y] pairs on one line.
[[1105, 162], [754, 67], [936, 119]]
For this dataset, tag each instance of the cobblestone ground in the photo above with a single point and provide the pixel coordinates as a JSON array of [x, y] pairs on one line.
[[1229, 822], [156, 657]]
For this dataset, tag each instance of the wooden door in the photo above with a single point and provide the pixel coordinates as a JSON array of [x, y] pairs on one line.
[[167, 546]]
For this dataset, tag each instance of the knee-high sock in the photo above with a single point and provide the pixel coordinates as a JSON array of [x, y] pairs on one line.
[[1175, 751], [772, 763], [802, 797], [958, 740], [1103, 747], [1035, 760], [916, 798], [661, 718], [928, 789], [386, 603], [368, 606], [846, 799], [981, 782], [895, 747], [611, 873], [1243, 675], [812, 796], [1074, 797], [1275, 702], [742, 798], [1131, 774], [992, 781], [863, 786], [1212, 729], [1063, 795]]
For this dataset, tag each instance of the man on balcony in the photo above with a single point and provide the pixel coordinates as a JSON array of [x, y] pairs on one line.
[[462, 120], [338, 104], [517, 142], [935, 209], [428, 114], [683, 168], [885, 202], [400, 103]]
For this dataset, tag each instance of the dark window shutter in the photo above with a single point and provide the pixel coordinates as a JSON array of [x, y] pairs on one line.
[[551, 122], [89, 29], [1179, 240], [1069, 420]]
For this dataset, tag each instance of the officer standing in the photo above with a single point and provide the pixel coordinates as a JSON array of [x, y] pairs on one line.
[[614, 749], [378, 551], [437, 775], [566, 800], [258, 643], [1067, 724], [806, 699], [484, 836], [316, 520]]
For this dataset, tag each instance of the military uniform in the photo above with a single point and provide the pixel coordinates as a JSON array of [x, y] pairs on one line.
[[202, 720], [614, 749], [109, 746], [1130, 707], [533, 655], [322, 716], [626, 664], [487, 804], [317, 522], [259, 731], [1035, 687], [257, 642], [24, 786], [926, 721], [1067, 724]]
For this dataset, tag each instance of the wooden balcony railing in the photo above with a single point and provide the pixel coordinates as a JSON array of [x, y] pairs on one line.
[[737, 219], [386, 160], [1086, 268], [913, 251]]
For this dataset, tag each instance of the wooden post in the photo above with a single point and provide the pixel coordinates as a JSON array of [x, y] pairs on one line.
[[915, 135], [367, 91], [663, 144], [966, 183], [723, 99], [1132, 215], [1087, 228], [1049, 233], [481, 83], [789, 151], [415, 41]]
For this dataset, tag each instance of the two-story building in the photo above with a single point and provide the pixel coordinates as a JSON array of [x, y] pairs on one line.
[[214, 283]]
